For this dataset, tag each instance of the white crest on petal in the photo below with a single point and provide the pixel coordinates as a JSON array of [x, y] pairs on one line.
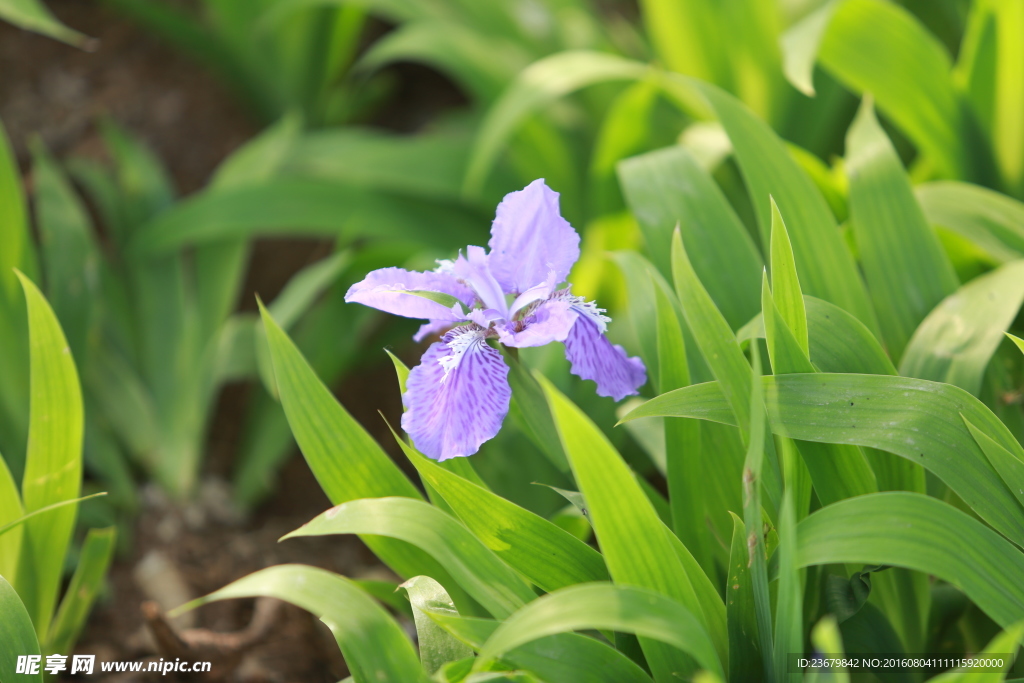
[[588, 309], [460, 340]]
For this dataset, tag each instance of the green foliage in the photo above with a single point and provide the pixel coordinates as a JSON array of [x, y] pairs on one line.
[[36, 526]]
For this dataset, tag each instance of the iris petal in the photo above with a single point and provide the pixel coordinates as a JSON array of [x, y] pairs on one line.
[[529, 238], [387, 289], [595, 358], [458, 396], [550, 321]]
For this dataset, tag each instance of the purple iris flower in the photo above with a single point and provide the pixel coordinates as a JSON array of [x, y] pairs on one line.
[[458, 396]]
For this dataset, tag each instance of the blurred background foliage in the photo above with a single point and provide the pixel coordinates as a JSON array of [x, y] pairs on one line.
[[147, 283]]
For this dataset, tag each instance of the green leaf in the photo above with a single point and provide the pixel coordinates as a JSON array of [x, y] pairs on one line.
[[542, 552], [914, 419], [989, 219], [956, 341], [786, 283], [11, 513], [682, 440], [745, 659], [605, 606], [913, 531], [528, 400], [324, 429], [713, 334], [1009, 466], [15, 238], [302, 207], [68, 250], [838, 341], [32, 15], [538, 84], [1006, 642], [826, 268], [632, 537], [907, 271], [789, 633], [1016, 340], [837, 470], [666, 189], [437, 646], [470, 562], [753, 469], [14, 524], [17, 637], [565, 657], [93, 561], [363, 629], [880, 48], [800, 44], [53, 464]]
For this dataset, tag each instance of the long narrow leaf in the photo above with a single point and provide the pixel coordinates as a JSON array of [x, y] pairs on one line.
[[53, 464], [471, 564]]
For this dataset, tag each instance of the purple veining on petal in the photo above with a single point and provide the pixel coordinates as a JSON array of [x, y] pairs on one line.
[[458, 396], [595, 358], [548, 321], [386, 289], [529, 238]]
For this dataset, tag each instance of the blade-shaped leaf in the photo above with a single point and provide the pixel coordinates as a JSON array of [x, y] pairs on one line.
[[470, 562], [363, 628], [906, 269], [632, 537], [542, 552], [881, 48], [605, 606], [32, 15], [992, 221], [826, 267], [53, 464], [10, 512], [17, 637], [956, 341], [437, 646], [668, 188], [915, 419], [911, 530], [786, 289], [745, 660], [303, 207], [93, 561], [324, 429]]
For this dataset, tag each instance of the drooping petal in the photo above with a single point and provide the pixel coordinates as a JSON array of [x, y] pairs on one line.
[[595, 358], [387, 289], [458, 396], [548, 322], [529, 238], [473, 269], [431, 328]]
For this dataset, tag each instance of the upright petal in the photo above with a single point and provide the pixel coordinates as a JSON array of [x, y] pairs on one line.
[[458, 396], [529, 238], [474, 271], [547, 322], [387, 289], [594, 357]]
